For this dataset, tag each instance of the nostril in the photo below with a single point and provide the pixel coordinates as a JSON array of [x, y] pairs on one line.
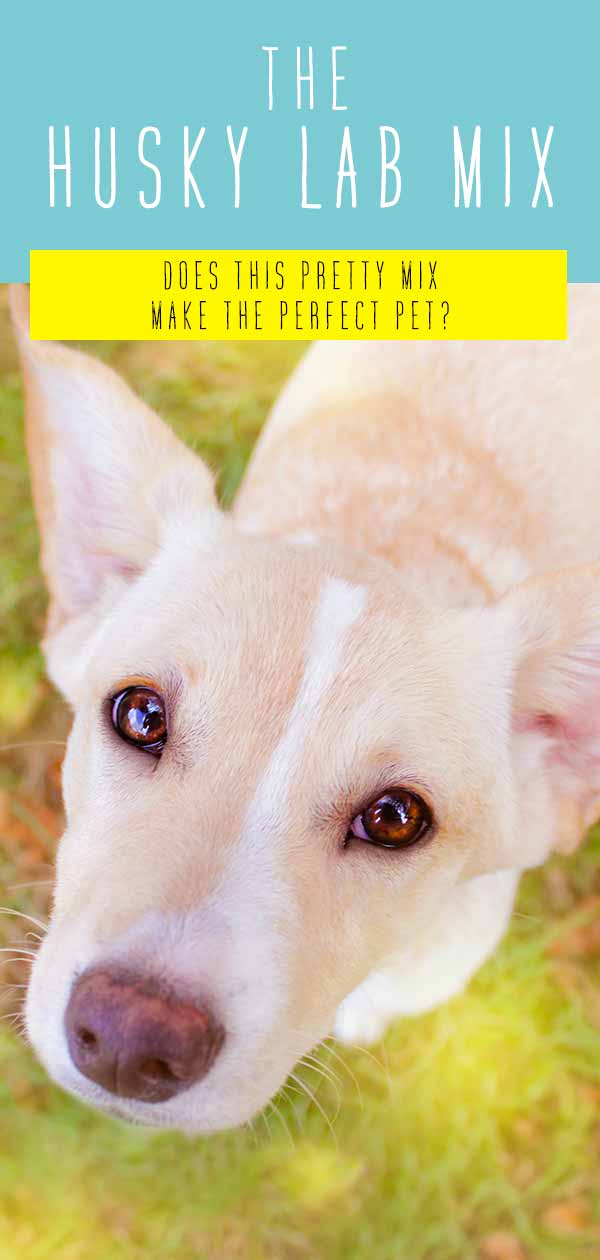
[[157, 1071], [86, 1039]]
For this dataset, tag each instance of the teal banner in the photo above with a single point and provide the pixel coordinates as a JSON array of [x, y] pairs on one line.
[[322, 125]]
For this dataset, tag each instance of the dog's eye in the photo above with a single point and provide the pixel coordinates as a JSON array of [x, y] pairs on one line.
[[393, 821], [139, 716]]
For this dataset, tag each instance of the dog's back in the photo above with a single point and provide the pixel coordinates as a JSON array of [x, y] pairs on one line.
[[471, 464]]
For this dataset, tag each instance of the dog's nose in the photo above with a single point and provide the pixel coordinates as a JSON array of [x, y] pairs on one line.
[[132, 1037]]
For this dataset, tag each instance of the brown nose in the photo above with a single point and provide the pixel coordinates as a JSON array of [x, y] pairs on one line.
[[135, 1039]]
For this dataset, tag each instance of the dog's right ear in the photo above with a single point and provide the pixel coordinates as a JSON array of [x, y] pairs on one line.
[[107, 474]]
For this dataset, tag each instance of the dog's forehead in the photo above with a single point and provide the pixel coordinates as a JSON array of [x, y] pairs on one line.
[[209, 610], [269, 621]]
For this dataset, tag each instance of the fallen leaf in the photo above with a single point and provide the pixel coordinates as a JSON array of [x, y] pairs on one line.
[[589, 1093], [557, 887], [526, 1129], [573, 979], [29, 830], [570, 1216], [502, 1245], [523, 1172], [583, 940]]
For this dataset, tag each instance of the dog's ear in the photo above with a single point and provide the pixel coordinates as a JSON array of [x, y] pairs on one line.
[[107, 475], [555, 624]]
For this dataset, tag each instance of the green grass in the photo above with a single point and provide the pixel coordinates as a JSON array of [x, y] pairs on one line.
[[480, 1117]]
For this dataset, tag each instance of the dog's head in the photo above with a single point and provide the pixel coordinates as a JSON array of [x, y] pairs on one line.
[[281, 763]]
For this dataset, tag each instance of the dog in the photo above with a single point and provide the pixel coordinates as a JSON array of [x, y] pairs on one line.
[[316, 740]]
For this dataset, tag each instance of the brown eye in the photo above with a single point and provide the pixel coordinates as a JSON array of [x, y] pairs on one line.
[[139, 716], [394, 821]]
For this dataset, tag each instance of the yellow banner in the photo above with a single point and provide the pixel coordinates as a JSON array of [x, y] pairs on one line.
[[295, 295]]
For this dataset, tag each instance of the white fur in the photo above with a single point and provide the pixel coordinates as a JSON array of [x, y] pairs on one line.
[[339, 607]]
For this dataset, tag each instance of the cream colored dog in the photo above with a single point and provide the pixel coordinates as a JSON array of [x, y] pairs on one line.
[[315, 742]]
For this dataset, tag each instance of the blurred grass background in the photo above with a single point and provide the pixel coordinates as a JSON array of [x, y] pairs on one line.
[[469, 1134]]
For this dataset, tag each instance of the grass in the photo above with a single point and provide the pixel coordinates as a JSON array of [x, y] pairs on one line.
[[470, 1133]]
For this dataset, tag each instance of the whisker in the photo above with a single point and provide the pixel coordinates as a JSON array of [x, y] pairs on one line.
[[284, 1094], [383, 1067], [265, 1120], [34, 743], [34, 883], [298, 1089], [313, 1065], [20, 914], [308, 1091], [327, 1071], [283, 1123], [250, 1125], [324, 1077], [15, 1019], [329, 1049]]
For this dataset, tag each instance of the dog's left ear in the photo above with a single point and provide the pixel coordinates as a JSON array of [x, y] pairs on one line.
[[554, 624], [107, 477]]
